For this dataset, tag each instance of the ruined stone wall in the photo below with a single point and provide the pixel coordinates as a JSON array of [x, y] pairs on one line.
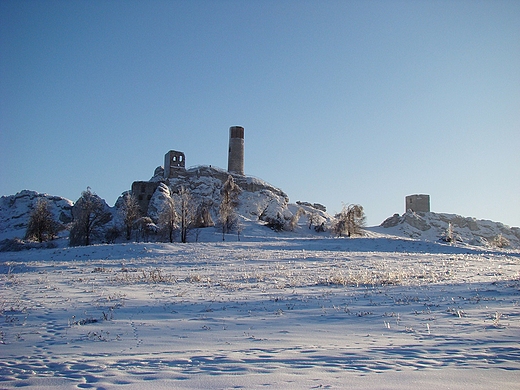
[[417, 203], [143, 191]]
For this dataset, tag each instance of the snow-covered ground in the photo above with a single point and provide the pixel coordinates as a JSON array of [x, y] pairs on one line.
[[274, 310]]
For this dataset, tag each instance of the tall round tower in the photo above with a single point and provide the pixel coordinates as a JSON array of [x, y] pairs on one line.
[[236, 150]]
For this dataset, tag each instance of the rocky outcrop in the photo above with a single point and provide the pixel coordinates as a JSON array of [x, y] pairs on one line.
[[258, 200], [452, 227]]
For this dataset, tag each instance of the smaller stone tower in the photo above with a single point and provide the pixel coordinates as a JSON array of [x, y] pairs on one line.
[[236, 150], [418, 203], [173, 160]]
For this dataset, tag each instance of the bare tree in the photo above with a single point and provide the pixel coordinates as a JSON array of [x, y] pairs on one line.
[[89, 213], [42, 227], [356, 219], [340, 225], [293, 222], [312, 218], [228, 204], [350, 221], [131, 212], [169, 218], [186, 212]]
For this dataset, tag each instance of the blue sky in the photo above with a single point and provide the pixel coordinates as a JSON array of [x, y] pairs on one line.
[[342, 101]]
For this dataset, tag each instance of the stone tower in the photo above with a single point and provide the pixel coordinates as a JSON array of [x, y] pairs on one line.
[[173, 161], [418, 203], [236, 150]]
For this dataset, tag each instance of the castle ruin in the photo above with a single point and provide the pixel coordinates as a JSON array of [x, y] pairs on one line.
[[143, 191], [175, 167], [417, 203], [173, 161]]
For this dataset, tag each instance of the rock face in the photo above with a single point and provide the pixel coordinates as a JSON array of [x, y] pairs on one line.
[[15, 211], [439, 226]]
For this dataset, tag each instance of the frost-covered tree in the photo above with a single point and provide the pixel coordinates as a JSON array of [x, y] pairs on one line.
[[130, 212], [42, 226], [228, 204], [203, 215], [356, 219], [186, 212], [89, 214], [144, 227], [169, 218], [350, 221], [275, 223], [339, 226], [312, 218], [293, 222]]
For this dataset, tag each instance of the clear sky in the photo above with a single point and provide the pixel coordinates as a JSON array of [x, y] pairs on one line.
[[342, 101]]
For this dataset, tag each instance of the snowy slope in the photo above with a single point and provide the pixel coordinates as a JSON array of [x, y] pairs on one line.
[[274, 311]]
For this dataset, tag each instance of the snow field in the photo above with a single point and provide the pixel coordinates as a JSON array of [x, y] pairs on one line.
[[282, 313]]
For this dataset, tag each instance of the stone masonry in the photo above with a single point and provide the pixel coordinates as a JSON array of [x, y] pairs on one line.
[[417, 203]]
